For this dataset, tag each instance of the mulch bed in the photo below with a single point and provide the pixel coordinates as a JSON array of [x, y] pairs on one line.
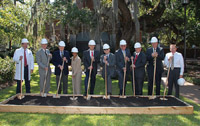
[[96, 101]]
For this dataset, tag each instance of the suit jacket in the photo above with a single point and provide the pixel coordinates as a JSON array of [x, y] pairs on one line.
[[76, 65], [87, 60], [42, 60], [150, 60], [140, 64], [57, 60], [119, 58], [111, 65]]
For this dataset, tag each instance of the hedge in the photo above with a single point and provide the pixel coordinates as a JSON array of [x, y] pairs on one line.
[[7, 69]]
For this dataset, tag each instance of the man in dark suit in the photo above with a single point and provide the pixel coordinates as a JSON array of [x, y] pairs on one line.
[[108, 59], [139, 62], [57, 60], [152, 53], [88, 56], [122, 55]]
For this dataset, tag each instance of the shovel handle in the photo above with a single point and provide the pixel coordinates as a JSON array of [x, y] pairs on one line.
[[89, 78], [133, 72], [45, 81], [60, 78]]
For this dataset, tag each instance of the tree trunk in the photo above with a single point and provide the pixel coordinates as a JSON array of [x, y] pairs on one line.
[[127, 27], [148, 22]]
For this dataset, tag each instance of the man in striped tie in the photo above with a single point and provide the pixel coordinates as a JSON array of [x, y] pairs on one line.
[[139, 62]]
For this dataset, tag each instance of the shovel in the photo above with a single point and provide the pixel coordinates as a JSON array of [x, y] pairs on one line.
[[163, 98], [106, 89], [73, 98], [21, 96], [154, 79], [45, 81], [56, 95], [87, 96], [133, 72], [123, 96]]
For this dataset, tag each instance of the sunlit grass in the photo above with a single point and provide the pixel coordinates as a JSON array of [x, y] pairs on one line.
[[28, 119]]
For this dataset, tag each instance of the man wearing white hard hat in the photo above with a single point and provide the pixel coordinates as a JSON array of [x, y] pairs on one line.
[[175, 61], [90, 55], [122, 57], [152, 53], [76, 71], [139, 62], [57, 59], [43, 57], [108, 59], [24, 56]]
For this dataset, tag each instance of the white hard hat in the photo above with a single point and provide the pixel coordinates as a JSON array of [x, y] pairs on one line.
[[24, 40], [181, 81], [74, 50], [137, 45], [154, 40], [44, 41], [91, 42], [122, 42], [61, 43], [106, 46]]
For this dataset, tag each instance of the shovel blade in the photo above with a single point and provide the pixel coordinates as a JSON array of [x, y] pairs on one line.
[[164, 99], [56, 96], [122, 96], [73, 98], [152, 97], [44, 95], [88, 97], [20, 97], [106, 97]]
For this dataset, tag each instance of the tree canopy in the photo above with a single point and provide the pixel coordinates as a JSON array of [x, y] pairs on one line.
[[131, 20]]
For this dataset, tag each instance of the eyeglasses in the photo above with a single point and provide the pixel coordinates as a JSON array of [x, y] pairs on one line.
[[105, 49]]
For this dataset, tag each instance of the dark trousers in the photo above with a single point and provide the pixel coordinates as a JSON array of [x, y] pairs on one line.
[[64, 80], [92, 82], [172, 80], [27, 82], [138, 85], [121, 80], [157, 81], [109, 84]]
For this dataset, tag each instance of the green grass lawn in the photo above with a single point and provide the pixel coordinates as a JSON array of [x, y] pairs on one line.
[[27, 119]]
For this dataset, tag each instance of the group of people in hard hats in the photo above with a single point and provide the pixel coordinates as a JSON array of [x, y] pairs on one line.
[[122, 63]]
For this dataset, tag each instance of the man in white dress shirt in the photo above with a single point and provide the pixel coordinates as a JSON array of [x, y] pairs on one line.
[[24, 56], [175, 60]]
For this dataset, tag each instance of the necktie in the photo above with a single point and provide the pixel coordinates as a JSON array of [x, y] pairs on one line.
[[172, 66], [46, 52], [154, 50], [92, 53], [136, 56], [25, 60], [62, 54], [124, 53]]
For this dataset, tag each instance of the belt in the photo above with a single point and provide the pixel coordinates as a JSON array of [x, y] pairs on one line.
[[176, 68]]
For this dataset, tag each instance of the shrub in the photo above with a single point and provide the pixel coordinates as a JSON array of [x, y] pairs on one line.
[[7, 69]]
